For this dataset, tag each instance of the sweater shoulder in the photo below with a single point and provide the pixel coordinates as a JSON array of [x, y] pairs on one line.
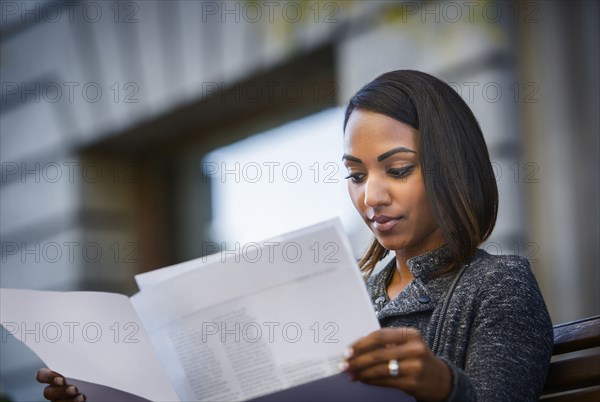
[[492, 267], [503, 279]]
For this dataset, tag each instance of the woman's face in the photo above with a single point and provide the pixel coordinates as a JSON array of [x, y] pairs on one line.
[[386, 185]]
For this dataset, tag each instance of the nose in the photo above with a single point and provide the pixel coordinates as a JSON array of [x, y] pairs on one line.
[[376, 193]]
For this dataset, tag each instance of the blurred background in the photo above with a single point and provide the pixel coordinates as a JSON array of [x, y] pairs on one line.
[[139, 134]]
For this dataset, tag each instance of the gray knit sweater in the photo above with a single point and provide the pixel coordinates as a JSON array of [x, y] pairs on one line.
[[487, 320]]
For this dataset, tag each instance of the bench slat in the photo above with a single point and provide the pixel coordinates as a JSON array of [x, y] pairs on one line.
[[570, 374], [577, 378], [576, 335], [584, 395]]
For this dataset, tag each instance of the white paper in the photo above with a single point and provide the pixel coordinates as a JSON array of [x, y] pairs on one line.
[[90, 336], [276, 315], [157, 276], [279, 315]]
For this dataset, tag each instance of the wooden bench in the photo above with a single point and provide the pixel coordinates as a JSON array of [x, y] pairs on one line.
[[576, 377]]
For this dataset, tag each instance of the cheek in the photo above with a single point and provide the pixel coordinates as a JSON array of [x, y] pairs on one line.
[[411, 195], [356, 195], [425, 213]]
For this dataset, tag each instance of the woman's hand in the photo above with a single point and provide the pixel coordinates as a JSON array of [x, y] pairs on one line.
[[58, 389], [420, 373]]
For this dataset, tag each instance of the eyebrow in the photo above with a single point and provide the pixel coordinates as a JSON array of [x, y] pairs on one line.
[[381, 157], [392, 152], [351, 158]]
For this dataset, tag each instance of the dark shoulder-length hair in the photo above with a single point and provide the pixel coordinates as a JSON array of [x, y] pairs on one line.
[[457, 174]]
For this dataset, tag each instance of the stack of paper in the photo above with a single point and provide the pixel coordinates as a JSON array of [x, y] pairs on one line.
[[230, 327]]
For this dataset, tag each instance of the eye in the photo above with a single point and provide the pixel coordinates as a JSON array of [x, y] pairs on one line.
[[400, 173], [356, 177]]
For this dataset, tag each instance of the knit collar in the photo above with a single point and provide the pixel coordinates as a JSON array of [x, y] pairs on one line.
[[422, 294], [423, 265]]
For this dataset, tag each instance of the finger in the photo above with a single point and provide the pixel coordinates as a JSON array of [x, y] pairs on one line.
[[408, 355], [382, 371], [383, 337], [47, 376], [374, 357], [66, 393]]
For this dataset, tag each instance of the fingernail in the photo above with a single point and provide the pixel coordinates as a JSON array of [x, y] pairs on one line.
[[59, 381], [80, 398], [343, 366], [348, 353], [71, 390]]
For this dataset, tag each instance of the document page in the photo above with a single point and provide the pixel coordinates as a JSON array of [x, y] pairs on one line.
[[274, 315], [91, 336], [157, 276]]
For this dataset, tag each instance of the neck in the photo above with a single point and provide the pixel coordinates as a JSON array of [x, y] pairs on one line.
[[435, 240], [400, 278]]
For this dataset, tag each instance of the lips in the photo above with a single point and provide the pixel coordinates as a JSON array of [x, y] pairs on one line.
[[383, 223]]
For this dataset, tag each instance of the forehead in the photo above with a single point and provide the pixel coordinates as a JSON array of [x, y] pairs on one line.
[[368, 131]]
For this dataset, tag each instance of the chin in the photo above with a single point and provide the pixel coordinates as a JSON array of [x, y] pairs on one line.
[[391, 244]]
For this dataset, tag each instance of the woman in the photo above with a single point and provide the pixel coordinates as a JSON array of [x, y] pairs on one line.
[[421, 178], [458, 323]]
